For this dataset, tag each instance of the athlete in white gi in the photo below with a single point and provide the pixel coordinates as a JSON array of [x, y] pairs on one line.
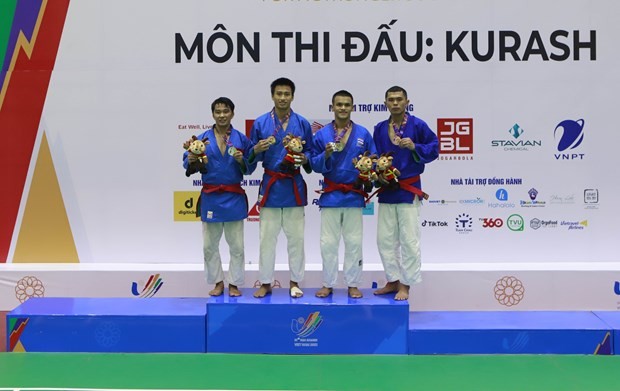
[[282, 195], [223, 203], [333, 149], [413, 144]]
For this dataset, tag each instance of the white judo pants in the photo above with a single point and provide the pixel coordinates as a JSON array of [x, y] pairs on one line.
[[398, 240], [211, 235], [345, 223], [291, 221]]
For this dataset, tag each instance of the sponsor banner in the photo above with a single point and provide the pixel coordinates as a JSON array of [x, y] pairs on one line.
[[522, 111]]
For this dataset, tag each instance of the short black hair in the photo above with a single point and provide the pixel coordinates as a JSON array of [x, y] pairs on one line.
[[396, 89], [282, 81], [342, 93], [223, 101]]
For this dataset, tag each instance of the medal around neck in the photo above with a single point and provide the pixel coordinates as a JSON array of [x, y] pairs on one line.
[[271, 140], [232, 150], [338, 147]]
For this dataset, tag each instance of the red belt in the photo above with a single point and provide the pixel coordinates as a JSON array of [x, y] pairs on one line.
[[277, 176], [343, 187], [236, 188], [407, 185]]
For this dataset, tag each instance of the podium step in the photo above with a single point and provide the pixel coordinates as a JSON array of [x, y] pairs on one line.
[[280, 324], [107, 325], [514, 332]]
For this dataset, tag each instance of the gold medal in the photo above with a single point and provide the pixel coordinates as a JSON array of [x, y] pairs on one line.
[[271, 140], [338, 147], [232, 150]]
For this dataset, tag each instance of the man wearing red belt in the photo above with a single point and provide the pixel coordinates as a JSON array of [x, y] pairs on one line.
[[413, 144], [282, 195], [334, 149], [223, 205]]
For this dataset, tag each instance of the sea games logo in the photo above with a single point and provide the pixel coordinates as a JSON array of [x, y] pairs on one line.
[[456, 138], [150, 288], [304, 328]]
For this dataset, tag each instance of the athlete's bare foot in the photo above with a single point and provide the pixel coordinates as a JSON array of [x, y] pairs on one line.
[[403, 292], [294, 290], [263, 291], [355, 293], [233, 291], [218, 289], [390, 287], [324, 292]]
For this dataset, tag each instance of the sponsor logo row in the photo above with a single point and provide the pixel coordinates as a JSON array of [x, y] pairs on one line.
[[456, 137], [464, 223]]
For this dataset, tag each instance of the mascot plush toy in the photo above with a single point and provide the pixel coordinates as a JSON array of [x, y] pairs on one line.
[[364, 164], [387, 174], [196, 156], [294, 146]]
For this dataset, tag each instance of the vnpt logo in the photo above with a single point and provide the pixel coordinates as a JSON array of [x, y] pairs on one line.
[[306, 327], [569, 135], [617, 288], [152, 286], [456, 135]]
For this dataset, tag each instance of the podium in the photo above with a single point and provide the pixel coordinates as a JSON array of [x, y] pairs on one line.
[[281, 324], [107, 325]]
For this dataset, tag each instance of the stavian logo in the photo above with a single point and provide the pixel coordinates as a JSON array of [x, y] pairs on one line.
[[516, 143]]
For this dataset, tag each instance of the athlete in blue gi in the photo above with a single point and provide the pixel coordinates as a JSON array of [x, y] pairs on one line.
[[413, 144], [223, 202], [282, 195], [333, 149]]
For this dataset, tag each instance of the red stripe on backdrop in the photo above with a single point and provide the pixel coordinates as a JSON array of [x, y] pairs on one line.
[[20, 115]]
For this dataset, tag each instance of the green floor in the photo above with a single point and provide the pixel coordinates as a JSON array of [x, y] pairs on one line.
[[272, 372]]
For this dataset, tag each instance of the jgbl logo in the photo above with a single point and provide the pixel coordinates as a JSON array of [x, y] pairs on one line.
[[456, 135]]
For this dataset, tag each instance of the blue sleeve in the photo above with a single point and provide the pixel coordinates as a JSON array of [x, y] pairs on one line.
[[247, 151], [308, 138], [317, 159], [427, 144], [254, 158]]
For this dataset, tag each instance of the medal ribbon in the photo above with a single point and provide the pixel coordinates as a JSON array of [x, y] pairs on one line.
[[226, 137], [277, 125], [400, 130], [339, 135]]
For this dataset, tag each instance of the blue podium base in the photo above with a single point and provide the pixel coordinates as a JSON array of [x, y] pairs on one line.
[[515, 332], [307, 325], [107, 325]]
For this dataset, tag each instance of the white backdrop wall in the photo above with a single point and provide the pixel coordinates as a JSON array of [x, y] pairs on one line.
[[124, 87]]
